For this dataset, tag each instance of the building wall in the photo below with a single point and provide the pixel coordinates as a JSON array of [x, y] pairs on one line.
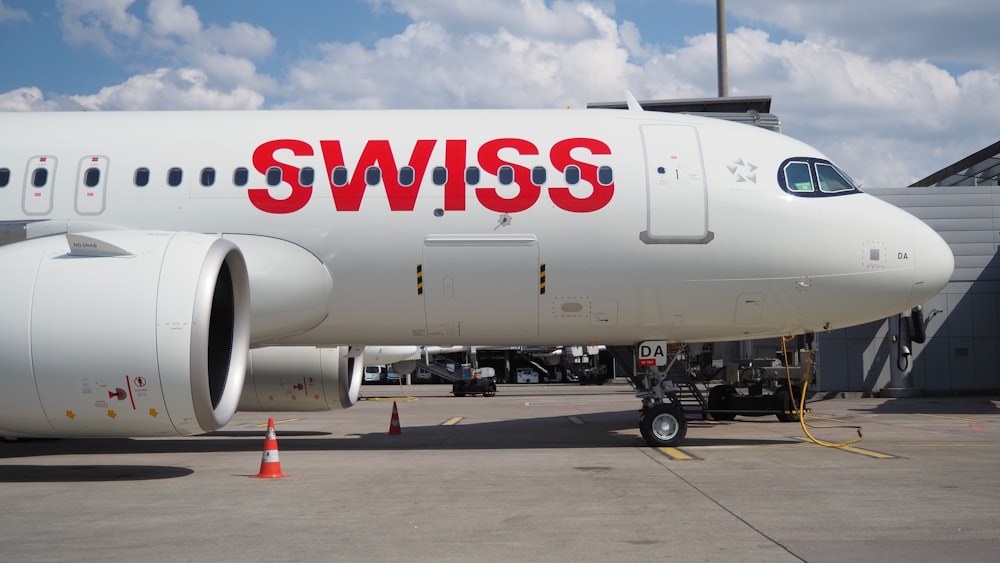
[[962, 352]]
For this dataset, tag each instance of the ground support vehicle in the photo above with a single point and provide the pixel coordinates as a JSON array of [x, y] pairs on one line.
[[475, 382], [670, 396]]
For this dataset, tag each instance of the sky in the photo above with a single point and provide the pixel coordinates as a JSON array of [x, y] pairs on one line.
[[891, 90]]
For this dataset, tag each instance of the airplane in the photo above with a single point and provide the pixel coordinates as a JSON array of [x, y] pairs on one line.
[[162, 269]]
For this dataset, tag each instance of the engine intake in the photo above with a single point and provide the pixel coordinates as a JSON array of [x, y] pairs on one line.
[[130, 333], [302, 378]]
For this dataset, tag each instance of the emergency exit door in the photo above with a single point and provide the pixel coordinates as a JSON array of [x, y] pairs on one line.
[[676, 193]]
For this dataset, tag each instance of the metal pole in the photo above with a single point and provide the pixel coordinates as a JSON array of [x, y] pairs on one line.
[[720, 38]]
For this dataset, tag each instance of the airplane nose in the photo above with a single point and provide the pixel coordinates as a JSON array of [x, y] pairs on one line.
[[933, 265]]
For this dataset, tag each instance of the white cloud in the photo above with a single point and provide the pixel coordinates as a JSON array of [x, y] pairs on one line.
[[13, 14], [172, 18], [558, 20], [209, 67], [431, 65], [884, 121], [26, 99], [186, 88], [937, 30], [98, 22]]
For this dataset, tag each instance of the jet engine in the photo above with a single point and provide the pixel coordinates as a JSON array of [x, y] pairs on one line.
[[302, 378], [121, 333]]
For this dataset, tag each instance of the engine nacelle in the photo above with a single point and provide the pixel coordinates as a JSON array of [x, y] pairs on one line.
[[302, 378], [121, 333]]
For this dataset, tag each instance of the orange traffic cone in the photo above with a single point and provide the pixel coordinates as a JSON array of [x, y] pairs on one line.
[[394, 428], [270, 467]]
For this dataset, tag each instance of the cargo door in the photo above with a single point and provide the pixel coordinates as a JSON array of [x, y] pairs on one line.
[[481, 286]]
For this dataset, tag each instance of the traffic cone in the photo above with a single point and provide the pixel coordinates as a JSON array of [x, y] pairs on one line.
[[394, 428], [270, 466]]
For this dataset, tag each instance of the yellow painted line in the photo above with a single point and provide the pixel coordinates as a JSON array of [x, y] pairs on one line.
[[451, 421], [869, 453], [405, 398], [277, 422], [575, 420], [952, 417], [675, 454], [853, 450]]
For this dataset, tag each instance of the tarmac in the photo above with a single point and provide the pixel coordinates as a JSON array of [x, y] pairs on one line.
[[537, 473]]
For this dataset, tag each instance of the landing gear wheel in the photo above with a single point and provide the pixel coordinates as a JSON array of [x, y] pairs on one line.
[[785, 402], [717, 401], [663, 425]]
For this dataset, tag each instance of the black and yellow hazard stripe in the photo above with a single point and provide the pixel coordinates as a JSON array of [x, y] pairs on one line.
[[420, 279], [541, 278]]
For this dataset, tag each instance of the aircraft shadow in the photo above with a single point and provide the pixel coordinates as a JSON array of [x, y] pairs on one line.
[[599, 430], [935, 405], [87, 473]]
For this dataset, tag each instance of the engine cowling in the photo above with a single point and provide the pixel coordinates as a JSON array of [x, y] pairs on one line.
[[121, 333], [302, 378]]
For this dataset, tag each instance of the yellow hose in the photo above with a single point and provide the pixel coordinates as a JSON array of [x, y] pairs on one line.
[[802, 404]]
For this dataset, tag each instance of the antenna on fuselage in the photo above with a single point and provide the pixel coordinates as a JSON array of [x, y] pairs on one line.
[[633, 104]]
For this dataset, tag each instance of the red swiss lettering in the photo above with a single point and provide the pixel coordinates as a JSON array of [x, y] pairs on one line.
[[490, 161], [263, 158], [377, 153], [454, 186], [561, 157]]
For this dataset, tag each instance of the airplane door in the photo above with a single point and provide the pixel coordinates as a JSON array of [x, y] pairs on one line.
[[676, 194], [482, 286]]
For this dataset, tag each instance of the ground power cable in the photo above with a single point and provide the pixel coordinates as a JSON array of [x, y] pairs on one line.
[[800, 410]]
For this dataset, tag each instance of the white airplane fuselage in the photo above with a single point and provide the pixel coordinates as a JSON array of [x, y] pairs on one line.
[[418, 228], [775, 263]]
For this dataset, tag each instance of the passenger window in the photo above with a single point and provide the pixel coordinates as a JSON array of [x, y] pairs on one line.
[[439, 175], [91, 177], [831, 180], [207, 176], [4, 177], [506, 175], [472, 175], [174, 176], [338, 176], [141, 177], [39, 177], [306, 176], [797, 177], [572, 174], [406, 176], [604, 176], [538, 175], [241, 176], [373, 175], [273, 176]]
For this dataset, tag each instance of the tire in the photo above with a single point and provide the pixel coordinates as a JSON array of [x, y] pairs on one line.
[[663, 425], [717, 400], [785, 400]]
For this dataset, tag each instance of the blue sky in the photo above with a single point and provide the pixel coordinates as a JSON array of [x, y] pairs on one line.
[[892, 90]]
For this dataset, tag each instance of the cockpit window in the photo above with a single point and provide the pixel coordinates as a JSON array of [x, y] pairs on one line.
[[831, 180], [814, 177], [798, 178]]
